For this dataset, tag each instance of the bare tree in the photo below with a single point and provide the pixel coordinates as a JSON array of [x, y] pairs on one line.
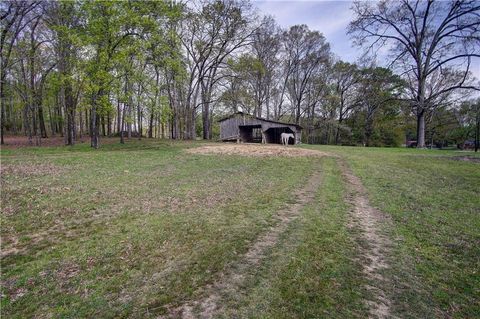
[[427, 39], [32, 61], [265, 49], [212, 34], [305, 51], [345, 78], [13, 20], [316, 100]]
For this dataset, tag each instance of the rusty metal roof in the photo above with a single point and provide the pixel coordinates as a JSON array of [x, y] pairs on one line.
[[258, 118]]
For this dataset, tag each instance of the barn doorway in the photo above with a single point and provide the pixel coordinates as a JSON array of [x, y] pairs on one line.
[[251, 133], [272, 135]]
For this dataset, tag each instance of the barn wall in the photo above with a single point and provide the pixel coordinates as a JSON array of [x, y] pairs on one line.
[[229, 128]]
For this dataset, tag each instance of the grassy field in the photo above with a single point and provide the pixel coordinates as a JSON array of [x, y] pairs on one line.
[[135, 230], [434, 201]]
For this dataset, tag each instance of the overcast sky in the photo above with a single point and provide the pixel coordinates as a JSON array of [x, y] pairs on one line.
[[329, 17]]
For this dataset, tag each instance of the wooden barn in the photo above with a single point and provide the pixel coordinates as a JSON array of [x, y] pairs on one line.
[[242, 127]]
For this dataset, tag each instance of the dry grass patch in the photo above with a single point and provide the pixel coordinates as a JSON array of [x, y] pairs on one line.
[[255, 150], [466, 159], [30, 169]]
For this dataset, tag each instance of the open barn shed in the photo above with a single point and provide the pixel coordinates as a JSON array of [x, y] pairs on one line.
[[242, 127]]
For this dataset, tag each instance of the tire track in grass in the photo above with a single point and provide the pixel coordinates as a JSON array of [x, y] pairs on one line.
[[376, 246], [230, 281]]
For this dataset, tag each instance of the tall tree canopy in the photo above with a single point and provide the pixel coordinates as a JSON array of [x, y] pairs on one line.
[[432, 44], [163, 69]]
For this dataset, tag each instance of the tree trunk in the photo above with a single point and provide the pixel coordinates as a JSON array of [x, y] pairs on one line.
[[192, 128], [297, 113], [368, 133], [87, 122], [26, 122], [122, 126], [128, 90], [190, 125], [150, 125], [92, 126], [2, 106], [129, 124], [205, 113], [80, 123], [268, 106], [41, 118], [477, 131], [109, 124], [139, 118], [52, 123], [59, 121], [94, 120], [337, 132], [368, 129], [14, 116], [421, 129], [119, 116], [163, 130], [206, 121], [104, 128]]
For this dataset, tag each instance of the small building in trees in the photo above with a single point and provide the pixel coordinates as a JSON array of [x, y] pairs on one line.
[[242, 127]]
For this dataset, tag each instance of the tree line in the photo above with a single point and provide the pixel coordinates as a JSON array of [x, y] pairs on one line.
[[165, 69]]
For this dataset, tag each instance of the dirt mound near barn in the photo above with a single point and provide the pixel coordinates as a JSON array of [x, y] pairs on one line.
[[257, 150]]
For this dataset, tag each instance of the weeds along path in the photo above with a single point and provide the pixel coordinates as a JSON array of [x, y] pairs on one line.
[[374, 246], [229, 283]]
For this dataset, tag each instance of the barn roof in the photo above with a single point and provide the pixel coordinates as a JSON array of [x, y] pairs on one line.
[[258, 118]]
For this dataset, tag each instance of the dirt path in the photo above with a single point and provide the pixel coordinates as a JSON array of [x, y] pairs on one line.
[[230, 281], [375, 245]]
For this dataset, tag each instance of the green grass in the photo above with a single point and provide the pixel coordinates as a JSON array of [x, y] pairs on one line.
[[434, 203], [125, 230], [116, 233], [312, 273]]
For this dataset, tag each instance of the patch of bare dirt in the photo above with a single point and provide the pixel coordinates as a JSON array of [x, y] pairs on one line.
[[377, 245], [67, 270], [25, 170], [11, 245], [255, 150], [466, 159], [231, 280]]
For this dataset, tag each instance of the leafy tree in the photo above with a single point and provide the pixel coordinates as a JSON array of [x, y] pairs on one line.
[[63, 18], [109, 27], [379, 87]]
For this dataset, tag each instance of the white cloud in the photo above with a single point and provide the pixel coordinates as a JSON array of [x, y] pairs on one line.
[[329, 17]]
